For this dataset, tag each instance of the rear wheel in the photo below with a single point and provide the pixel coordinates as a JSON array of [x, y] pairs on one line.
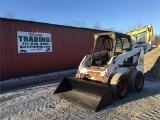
[[136, 81], [119, 85]]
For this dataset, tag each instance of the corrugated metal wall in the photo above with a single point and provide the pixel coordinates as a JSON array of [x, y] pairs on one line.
[[69, 45]]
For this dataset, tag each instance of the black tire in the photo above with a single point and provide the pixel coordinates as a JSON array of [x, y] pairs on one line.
[[136, 81], [119, 85]]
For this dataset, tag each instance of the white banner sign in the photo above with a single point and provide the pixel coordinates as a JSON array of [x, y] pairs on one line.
[[33, 42]]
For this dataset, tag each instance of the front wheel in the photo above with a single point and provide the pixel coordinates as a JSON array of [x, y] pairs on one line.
[[119, 85], [136, 81]]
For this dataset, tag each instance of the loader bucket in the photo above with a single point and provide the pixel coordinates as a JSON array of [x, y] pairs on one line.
[[86, 93]]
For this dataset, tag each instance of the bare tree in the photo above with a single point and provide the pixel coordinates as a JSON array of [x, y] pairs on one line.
[[83, 25], [76, 24], [111, 29], [137, 25], [66, 24], [97, 26], [142, 37], [9, 15], [156, 40]]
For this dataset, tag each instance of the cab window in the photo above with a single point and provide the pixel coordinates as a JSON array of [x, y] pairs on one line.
[[118, 49]]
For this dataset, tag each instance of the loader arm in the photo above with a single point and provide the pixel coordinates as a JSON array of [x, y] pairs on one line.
[[148, 30], [147, 44]]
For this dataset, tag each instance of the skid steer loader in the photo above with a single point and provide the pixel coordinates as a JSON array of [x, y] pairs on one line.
[[108, 72]]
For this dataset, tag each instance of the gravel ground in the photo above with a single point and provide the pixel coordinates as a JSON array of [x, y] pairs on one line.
[[37, 102]]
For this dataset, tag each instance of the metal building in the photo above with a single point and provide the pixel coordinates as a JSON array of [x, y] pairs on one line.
[[69, 45]]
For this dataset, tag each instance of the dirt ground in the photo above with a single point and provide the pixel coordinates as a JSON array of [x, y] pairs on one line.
[[35, 101], [152, 64]]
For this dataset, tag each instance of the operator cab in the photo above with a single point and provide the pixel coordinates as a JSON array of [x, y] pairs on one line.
[[107, 45], [102, 50]]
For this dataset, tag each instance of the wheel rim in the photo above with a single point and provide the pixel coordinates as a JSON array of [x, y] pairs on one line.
[[139, 82], [123, 87]]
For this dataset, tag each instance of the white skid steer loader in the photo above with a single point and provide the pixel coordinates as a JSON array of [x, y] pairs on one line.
[[108, 72]]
